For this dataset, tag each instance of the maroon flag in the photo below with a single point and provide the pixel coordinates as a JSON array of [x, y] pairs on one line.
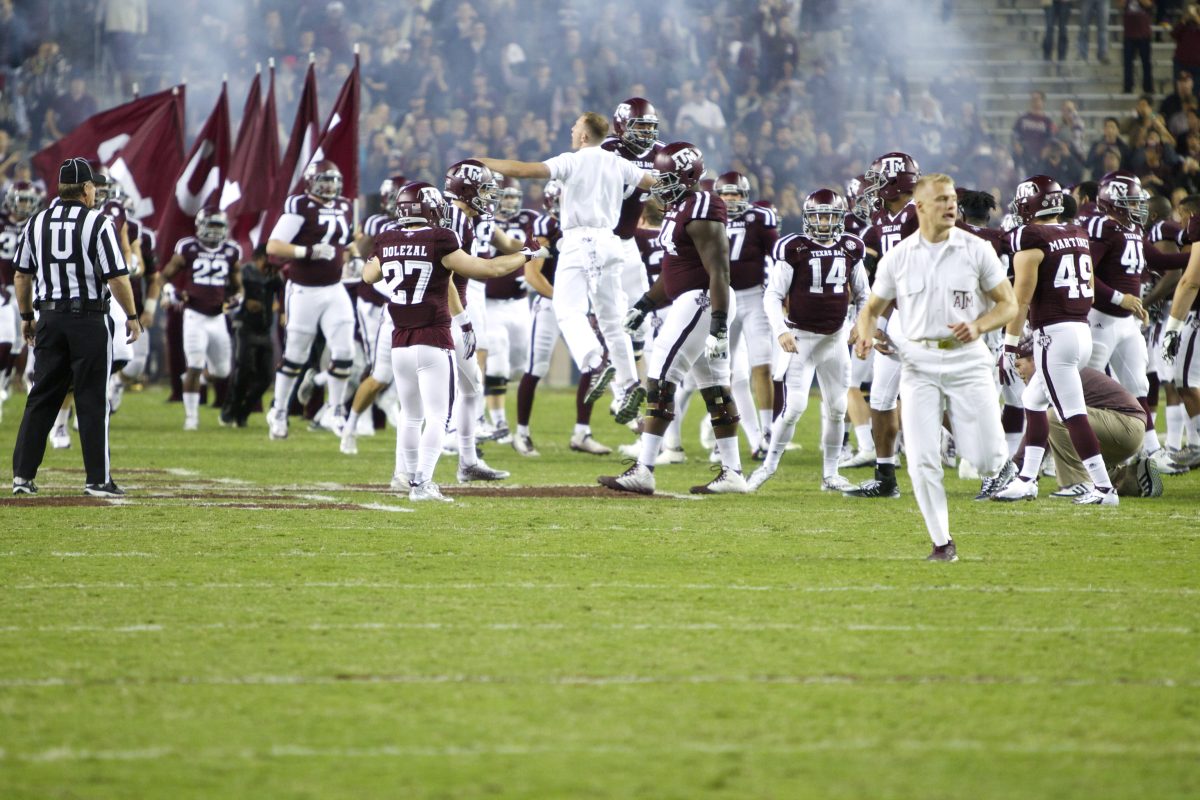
[[250, 110], [148, 163], [199, 182], [244, 173], [303, 141], [256, 173], [339, 139], [101, 136]]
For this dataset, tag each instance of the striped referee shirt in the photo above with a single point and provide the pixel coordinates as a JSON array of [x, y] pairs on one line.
[[72, 251]]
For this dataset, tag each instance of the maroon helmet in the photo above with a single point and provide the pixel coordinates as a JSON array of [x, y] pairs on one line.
[[857, 198], [1121, 196], [677, 167], [824, 215], [23, 200], [472, 183], [551, 197], [636, 123], [212, 227], [510, 198], [891, 175], [323, 179], [419, 202], [387, 193], [1037, 196], [734, 183]]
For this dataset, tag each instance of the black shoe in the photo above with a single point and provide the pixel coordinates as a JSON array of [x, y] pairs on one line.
[[24, 487], [946, 552], [875, 489], [989, 486], [601, 377], [109, 489]]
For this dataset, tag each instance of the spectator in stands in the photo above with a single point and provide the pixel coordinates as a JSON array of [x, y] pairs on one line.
[[1071, 128], [893, 125], [1186, 34], [1057, 12], [1110, 139], [42, 79], [706, 117], [124, 23], [16, 37], [1144, 120], [1175, 106], [1157, 164], [1094, 12], [1030, 132], [1059, 162], [70, 109], [1137, 26]]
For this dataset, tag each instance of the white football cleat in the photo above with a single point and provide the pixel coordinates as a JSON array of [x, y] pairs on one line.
[[1098, 497], [667, 455], [277, 423], [863, 458], [60, 437], [191, 423], [1072, 491], [334, 421], [400, 482], [1176, 463], [728, 481], [428, 491], [637, 479], [758, 478], [480, 471], [349, 443], [631, 450], [116, 392], [836, 483], [586, 444], [524, 445], [1020, 489]]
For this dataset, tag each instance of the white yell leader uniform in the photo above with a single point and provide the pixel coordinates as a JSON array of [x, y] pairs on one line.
[[935, 286], [591, 258]]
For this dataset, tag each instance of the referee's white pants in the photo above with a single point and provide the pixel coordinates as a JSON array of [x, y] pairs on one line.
[[589, 274], [961, 379]]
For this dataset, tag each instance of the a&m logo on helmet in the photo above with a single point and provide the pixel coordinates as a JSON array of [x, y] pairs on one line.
[[624, 110], [685, 158], [471, 172], [1027, 189], [890, 165], [1118, 189]]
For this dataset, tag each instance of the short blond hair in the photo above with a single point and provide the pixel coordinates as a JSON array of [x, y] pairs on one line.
[[597, 125], [932, 179]]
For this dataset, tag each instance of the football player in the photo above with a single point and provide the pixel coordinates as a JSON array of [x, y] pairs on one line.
[[694, 337], [1181, 338], [23, 200], [753, 232], [415, 260], [111, 200], [210, 264], [1052, 265], [816, 274], [313, 235], [142, 267]]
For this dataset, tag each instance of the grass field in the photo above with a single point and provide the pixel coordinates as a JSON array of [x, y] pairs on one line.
[[262, 619]]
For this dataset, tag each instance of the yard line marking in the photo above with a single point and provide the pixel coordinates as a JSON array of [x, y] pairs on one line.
[[129, 554], [421, 679], [385, 507]]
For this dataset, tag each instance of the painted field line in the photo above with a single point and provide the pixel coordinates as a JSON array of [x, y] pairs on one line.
[[646, 587], [677, 627], [421, 679], [1153, 750]]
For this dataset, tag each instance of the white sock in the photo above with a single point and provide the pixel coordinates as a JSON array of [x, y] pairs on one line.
[[465, 420], [1033, 462], [523, 430], [885, 459], [831, 445], [499, 418], [191, 404], [782, 432], [650, 446], [1013, 440], [1096, 469], [863, 434], [745, 404], [352, 421], [283, 390], [673, 438], [63, 417], [1193, 429], [408, 445], [731, 456], [337, 393], [321, 378], [764, 420], [1150, 442], [1176, 422], [582, 430]]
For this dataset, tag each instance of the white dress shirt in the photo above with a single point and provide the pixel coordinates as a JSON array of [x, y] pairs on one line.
[[594, 184]]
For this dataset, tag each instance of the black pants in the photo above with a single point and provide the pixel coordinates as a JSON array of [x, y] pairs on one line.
[[70, 350], [254, 373], [1056, 14], [1140, 48]]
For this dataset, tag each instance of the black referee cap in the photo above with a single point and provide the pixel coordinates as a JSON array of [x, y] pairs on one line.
[[75, 170]]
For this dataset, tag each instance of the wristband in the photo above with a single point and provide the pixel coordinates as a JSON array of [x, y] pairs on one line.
[[1011, 341], [1117, 297], [461, 319], [27, 316], [1174, 324], [131, 317], [301, 252], [718, 323], [150, 306], [644, 304]]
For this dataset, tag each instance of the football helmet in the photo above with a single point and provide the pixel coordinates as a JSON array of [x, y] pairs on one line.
[[824, 215], [510, 199], [323, 179], [212, 227], [677, 168], [552, 197], [1121, 196], [636, 123], [1037, 196], [419, 203], [857, 199], [734, 183], [387, 193], [23, 200], [889, 176], [472, 183]]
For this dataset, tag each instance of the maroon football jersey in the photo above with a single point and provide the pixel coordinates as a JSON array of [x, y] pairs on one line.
[[752, 237], [631, 206], [207, 273], [854, 225], [417, 282], [1119, 259], [682, 269], [10, 234], [512, 285], [887, 229], [464, 228], [1062, 293], [818, 297], [1085, 213], [372, 293], [319, 223], [546, 227], [1165, 230], [652, 252]]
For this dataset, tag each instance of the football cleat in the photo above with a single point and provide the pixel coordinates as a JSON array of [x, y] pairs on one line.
[[1020, 489], [670, 455], [21, 486], [758, 478], [945, 552], [631, 403], [631, 450], [993, 484], [967, 471], [308, 382], [1098, 497], [480, 471], [277, 423], [191, 423], [227, 420], [116, 393], [1174, 462], [334, 421], [109, 489], [502, 435], [1074, 490], [1048, 468], [1184, 457], [728, 481], [759, 454], [863, 458], [1149, 477], [875, 489], [601, 377], [349, 443], [60, 437], [836, 483], [427, 491], [524, 445], [637, 479], [586, 444], [948, 451], [399, 482]]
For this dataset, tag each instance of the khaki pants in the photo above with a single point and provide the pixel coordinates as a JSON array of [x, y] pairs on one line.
[[1120, 437]]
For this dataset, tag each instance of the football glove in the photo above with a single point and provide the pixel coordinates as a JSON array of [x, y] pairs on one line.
[[635, 316], [530, 253], [716, 344], [322, 252], [1170, 346]]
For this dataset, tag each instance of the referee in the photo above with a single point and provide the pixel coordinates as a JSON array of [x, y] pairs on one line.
[[68, 261]]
